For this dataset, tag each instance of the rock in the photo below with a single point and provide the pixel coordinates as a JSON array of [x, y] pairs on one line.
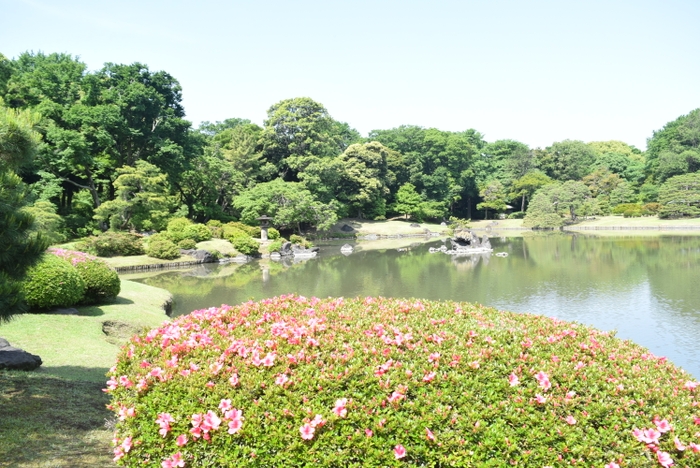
[[202, 256], [415, 225], [12, 358], [346, 228], [443, 224], [347, 248]]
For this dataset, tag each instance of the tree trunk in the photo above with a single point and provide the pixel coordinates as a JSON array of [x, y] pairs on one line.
[[522, 205]]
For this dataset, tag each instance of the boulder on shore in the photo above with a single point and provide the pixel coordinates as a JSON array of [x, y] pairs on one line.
[[12, 358]]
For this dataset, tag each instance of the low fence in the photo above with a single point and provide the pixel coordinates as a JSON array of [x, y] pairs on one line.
[[631, 228], [156, 266]]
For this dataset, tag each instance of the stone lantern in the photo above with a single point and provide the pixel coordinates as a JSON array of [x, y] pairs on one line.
[[264, 225]]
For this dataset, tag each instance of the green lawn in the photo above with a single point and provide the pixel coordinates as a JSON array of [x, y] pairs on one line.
[[56, 416]]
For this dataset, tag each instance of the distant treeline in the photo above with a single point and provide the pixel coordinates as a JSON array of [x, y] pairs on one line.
[[116, 151]]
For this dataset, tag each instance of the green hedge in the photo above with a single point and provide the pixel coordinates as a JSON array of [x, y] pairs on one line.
[[297, 382], [163, 249], [111, 244], [53, 282], [245, 245], [102, 282]]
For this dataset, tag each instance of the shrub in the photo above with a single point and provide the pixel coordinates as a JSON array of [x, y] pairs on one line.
[[163, 249], [110, 244], [245, 245], [197, 232], [53, 282], [652, 208], [623, 208], [101, 281], [276, 245], [252, 231], [273, 233], [176, 228], [229, 233], [187, 244], [517, 215], [296, 239], [292, 381], [216, 228]]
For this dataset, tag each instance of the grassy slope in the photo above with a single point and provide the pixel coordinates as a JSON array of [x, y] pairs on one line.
[[55, 416]]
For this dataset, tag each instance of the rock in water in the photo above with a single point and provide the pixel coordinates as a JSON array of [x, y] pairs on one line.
[[16, 359]]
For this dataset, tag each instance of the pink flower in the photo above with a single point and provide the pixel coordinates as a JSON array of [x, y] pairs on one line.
[[164, 420], [233, 380], [647, 436], [399, 451], [225, 405], [690, 385], [570, 420], [212, 420], [434, 357], [679, 444], [339, 408], [281, 379], [612, 465], [269, 360], [126, 444], [540, 399], [318, 421], [694, 447], [429, 434], [429, 377], [174, 461], [118, 453], [307, 431], [235, 425], [181, 440], [513, 380], [663, 426], [543, 380], [664, 459], [368, 432]]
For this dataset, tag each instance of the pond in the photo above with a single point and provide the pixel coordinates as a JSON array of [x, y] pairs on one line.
[[646, 288]]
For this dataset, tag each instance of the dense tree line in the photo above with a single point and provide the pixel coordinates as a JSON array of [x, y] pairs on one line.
[[113, 150]]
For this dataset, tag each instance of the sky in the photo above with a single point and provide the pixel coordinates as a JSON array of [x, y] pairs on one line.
[[536, 71]]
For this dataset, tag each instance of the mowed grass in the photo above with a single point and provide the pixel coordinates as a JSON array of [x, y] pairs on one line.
[[55, 416]]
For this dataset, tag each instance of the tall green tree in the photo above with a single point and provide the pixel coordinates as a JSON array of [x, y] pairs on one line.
[[679, 196], [567, 160], [493, 197], [675, 149], [365, 179], [19, 248]]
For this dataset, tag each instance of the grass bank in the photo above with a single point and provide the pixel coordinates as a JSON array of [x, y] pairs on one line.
[[56, 416]]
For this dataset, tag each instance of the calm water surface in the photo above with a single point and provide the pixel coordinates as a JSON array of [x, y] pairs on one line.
[[648, 289]]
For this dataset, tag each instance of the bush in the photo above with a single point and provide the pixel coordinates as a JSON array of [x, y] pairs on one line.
[[53, 282], [292, 381], [276, 245], [197, 232], [517, 215], [111, 244], [623, 208], [245, 245], [252, 231], [187, 244], [652, 208], [273, 233], [296, 239], [163, 249], [101, 281], [216, 228], [176, 228]]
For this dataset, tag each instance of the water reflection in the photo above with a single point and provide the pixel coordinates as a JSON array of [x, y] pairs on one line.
[[646, 288]]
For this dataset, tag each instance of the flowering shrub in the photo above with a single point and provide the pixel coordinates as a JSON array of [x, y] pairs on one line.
[[101, 281], [292, 381]]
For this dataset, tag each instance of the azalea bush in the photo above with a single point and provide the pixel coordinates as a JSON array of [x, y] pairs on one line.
[[53, 282], [102, 282], [292, 381]]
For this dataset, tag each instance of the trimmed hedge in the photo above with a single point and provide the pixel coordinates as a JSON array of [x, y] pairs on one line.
[[245, 245], [102, 282], [53, 282], [298, 382], [162, 248], [111, 244]]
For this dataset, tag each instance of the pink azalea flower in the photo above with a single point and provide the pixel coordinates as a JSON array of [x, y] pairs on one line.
[[429, 377], [225, 405], [663, 426], [233, 380], [429, 434], [434, 357], [679, 444], [664, 459], [399, 452], [651, 436], [318, 421], [540, 399], [339, 408], [269, 360], [690, 385], [570, 420], [694, 447], [118, 453], [612, 465], [368, 432], [235, 425], [174, 462], [281, 379], [212, 420], [181, 440], [307, 431], [127, 444], [513, 380]]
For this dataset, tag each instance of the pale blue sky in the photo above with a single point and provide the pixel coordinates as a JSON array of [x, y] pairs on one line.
[[537, 71]]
